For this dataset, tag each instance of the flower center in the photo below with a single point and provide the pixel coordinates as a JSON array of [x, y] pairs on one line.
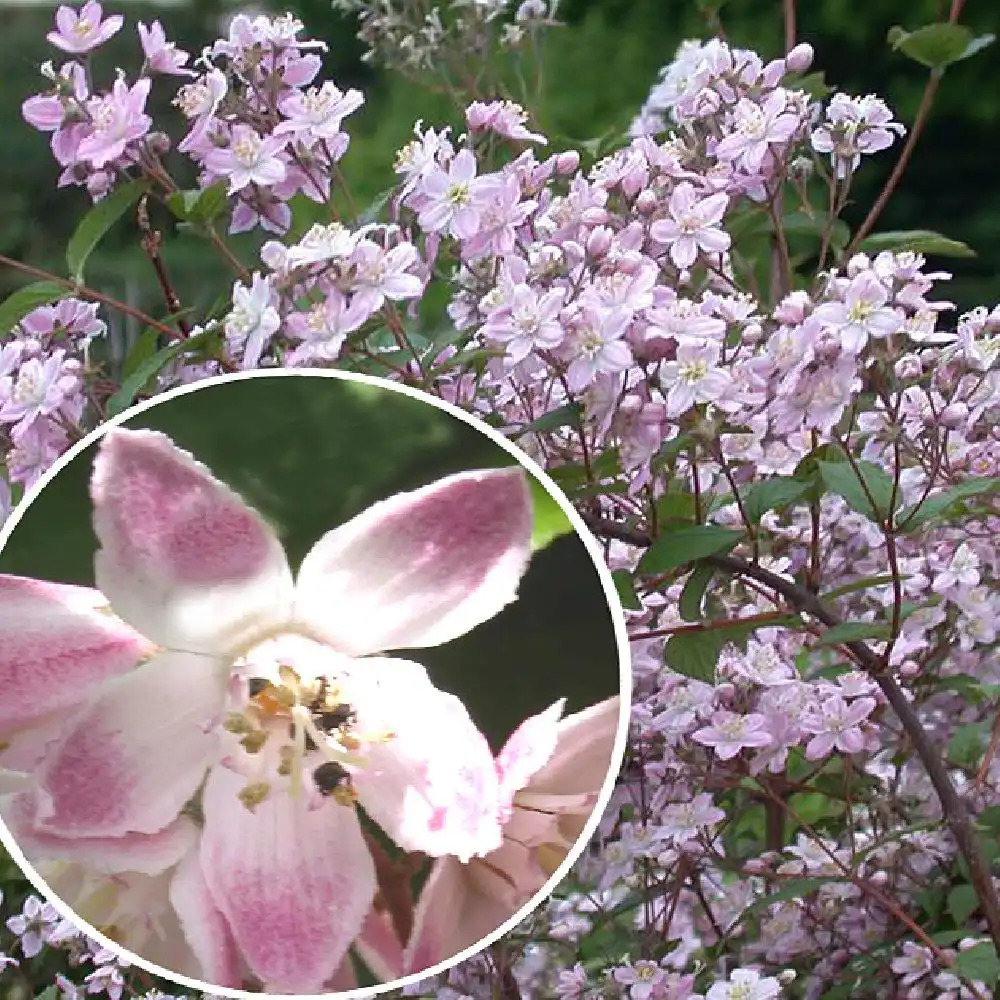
[[293, 722]]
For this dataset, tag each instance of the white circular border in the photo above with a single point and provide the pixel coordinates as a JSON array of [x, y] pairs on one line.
[[614, 606]]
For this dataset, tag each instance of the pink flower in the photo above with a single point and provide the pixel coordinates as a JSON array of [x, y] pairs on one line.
[[836, 726], [452, 200], [162, 56], [324, 328], [116, 120], [695, 376], [248, 159], [316, 113], [755, 128], [550, 774], [693, 225], [502, 117], [269, 701], [83, 31], [730, 733]]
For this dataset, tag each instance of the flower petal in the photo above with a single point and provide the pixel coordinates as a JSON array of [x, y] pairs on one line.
[[136, 755], [431, 783], [146, 854], [182, 557], [55, 642], [529, 747], [583, 753], [379, 947], [204, 926], [419, 568], [451, 915], [294, 883]]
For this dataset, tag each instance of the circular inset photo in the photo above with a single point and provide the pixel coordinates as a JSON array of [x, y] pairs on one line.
[[310, 683]]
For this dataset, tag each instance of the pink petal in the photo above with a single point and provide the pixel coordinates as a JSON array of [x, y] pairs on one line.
[[146, 854], [204, 927], [379, 948], [528, 748], [182, 557], [419, 568], [294, 883], [56, 641], [451, 915], [432, 785], [584, 753], [136, 755]]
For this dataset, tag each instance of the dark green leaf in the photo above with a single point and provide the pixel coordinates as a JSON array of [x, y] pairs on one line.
[[917, 241], [18, 304], [967, 743], [913, 517], [694, 653], [152, 366], [933, 45], [95, 224], [565, 416], [853, 632], [962, 903], [990, 818], [143, 349], [979, 962], [626, 590], [772, 494], [843, 478], [682, 545], [694, 591]]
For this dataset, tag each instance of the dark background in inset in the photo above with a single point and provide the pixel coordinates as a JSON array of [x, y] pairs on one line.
[[310, 452]]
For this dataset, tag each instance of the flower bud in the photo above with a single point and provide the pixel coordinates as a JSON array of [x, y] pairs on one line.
[[646, 202], [599, 241], [800, 58], [568, 162], [954, 415]]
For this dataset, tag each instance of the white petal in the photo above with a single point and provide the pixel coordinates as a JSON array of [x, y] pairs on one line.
[[419, 568]]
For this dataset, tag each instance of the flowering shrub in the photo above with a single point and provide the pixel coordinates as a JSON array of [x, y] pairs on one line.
[[784, 437]]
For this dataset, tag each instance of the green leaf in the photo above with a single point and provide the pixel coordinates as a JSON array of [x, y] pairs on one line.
[[19, 303], [843, 479], [853, 632], [694, 592], [979, 962], [933, 45], [962, 903], [855, 585], [626, 590], [549, 520], [199, 205], [794, 888], [694, 653], [93, 227], [143, 349], [686, 544], [564, 416], [133, 384], [772, 494], [990, 818], [913, 517], [917, 241], [967, 743]]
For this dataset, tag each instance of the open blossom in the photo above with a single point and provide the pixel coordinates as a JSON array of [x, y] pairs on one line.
[[550, 772], [755, 128], [836, 725], [161, 55], [248, 159], [253, 319], [452, 200], [695, 376], [855, 126], [85, 30], [729, 733], [745, 984], [116, 120], [270, 706], [693, 225]]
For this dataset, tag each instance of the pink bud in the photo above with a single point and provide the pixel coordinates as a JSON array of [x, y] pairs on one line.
[[568, 162], [800, 58], [646, 202], [599, 241]]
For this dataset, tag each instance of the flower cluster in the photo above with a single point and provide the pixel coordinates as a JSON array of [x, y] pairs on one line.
[[784, 436]]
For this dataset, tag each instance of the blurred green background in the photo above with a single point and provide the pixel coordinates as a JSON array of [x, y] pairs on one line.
[[310, 452]]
